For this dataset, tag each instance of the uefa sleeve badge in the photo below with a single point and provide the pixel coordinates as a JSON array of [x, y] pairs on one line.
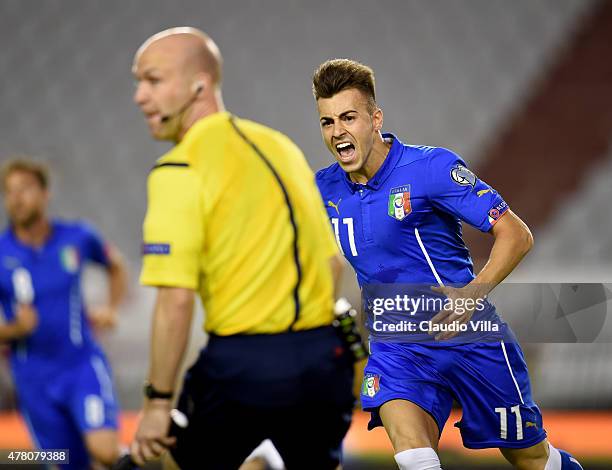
[[462, 176]]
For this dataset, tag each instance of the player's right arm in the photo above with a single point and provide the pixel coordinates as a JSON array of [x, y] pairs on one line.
[[26, 318], [24, 323], [336, 264], [327, 239]]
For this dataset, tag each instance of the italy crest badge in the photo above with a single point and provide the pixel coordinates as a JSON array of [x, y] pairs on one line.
[[370, 385], [399, 202]]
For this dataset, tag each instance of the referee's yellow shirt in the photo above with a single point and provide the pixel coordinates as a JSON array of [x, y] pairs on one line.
[[234, 213]]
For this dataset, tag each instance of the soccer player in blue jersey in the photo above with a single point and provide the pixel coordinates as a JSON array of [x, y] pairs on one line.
[[396, 210], [62, 377]]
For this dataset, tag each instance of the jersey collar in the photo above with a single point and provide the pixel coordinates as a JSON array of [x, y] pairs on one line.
[[50, 239], [220, 115], [385, 170]]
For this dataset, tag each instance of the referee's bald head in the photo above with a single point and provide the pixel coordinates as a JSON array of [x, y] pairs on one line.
[[189, 49], [178, 72]]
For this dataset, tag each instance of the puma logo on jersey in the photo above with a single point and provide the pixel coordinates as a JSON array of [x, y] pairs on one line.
[[483, 191], [335, 206], [530, 424]]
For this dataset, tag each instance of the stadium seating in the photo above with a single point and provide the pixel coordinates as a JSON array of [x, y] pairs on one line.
[[448, 74]]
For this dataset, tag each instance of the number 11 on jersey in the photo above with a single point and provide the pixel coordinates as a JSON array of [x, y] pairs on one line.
[[348, 221]]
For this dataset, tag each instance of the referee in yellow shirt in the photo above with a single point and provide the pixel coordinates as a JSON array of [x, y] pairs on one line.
[[234, 215]]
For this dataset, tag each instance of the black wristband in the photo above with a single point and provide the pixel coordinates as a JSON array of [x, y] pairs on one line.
[[151, 392]]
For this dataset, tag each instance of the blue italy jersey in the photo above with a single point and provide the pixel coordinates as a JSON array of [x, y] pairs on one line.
[[62, 337], [404, 226], [402, 232]]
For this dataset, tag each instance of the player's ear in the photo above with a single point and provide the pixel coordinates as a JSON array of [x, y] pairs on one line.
[[46, 196], [377, 119]]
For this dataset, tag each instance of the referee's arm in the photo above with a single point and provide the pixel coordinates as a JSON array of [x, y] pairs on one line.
[[173, 240], [171, 327], [169, 337]]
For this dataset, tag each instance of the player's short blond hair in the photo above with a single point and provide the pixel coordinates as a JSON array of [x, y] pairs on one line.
[[336, 75], [39, 170]]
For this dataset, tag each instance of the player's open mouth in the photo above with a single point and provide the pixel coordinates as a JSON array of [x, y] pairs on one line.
[[346, 151]]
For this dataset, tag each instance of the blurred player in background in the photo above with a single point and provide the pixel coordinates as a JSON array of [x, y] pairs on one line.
[[397, 210], [235, 216], [62, 377]]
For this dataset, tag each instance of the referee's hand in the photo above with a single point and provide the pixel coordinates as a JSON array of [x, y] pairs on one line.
[[151, 438]]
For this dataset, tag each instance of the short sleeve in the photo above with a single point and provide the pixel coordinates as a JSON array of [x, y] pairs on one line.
[[328, 241], [94, 247], [456, 190], [173, 229]]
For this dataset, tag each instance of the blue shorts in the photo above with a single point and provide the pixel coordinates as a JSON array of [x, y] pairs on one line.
[[489, 380], [59, 412]]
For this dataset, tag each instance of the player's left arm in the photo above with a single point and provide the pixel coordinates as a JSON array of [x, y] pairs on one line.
[[105, 316], [456, 190], [117, 279], [513, 240], [98, 251]]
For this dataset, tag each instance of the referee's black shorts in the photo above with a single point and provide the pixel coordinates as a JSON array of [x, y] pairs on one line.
[[293, 388]]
